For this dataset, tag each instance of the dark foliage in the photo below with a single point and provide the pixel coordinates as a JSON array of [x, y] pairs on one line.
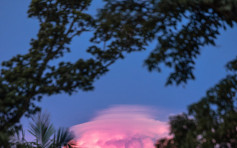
[[212, 121], [180, 28], [25, 78]]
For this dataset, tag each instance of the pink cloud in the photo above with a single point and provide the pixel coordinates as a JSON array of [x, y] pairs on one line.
[[128, 126]]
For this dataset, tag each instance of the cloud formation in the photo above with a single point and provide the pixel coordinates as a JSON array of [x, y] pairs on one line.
[[127, 126]]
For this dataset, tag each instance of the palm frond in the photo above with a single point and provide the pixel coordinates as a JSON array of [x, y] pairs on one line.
[[62, 137], [42, 129]]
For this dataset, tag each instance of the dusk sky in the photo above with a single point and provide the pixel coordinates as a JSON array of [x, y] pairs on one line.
[[127, 83]]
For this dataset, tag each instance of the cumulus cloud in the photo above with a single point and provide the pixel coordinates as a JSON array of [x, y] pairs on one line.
[[124, 126]]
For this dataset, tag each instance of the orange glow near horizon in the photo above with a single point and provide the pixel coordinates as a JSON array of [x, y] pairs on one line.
[[121, 127]]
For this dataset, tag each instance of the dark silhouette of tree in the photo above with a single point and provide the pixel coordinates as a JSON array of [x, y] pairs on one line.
[[180, 27], [26, 78], [212, 121], [216, 114]]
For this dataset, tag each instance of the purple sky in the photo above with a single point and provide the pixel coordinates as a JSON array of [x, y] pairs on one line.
[[128, 82]]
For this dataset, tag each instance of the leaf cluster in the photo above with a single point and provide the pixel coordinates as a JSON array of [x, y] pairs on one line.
[[180, 28], [212, 121], [44, 133], [24, 79]]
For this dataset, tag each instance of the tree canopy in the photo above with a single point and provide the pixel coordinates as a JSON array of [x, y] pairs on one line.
[[180, 28], [210, 122], [25, 78]]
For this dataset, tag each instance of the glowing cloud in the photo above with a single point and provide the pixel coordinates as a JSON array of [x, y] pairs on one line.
[[121, 127]]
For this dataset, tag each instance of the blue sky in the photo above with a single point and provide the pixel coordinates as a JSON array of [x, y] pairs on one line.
[[127, 82]]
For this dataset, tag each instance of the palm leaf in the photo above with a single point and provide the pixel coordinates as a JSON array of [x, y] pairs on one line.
[[42, 130], [62, 137]]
